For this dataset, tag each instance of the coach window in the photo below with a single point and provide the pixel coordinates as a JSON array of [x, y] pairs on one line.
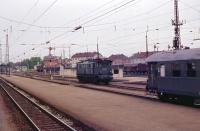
[[162, 70], [176, 70], [191, 69]]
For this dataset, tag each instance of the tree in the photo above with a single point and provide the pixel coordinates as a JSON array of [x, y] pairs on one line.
[[30, 63]]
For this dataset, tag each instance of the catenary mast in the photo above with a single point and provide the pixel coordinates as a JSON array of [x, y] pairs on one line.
[[176, 23]]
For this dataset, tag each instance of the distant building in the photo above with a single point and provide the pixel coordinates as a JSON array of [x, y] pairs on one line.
[[118, 63], [51, 64], [140, 57], [66, 63], [83, 56], [119, 59]]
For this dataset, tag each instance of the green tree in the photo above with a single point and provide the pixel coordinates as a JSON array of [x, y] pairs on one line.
[[30, 63]]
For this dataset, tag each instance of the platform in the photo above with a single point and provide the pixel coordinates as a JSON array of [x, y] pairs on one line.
[[113, 112]]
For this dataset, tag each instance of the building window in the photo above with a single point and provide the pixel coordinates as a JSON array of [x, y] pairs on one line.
[[116, 71], [191, 70], [176, 70]]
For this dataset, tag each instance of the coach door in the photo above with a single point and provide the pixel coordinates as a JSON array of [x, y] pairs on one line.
[[153, 78]]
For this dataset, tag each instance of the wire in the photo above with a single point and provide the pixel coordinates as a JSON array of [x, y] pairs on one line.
[[19, 22], [91, 12], [39, 17], [48, 8], [138, 15], [30, 10], [116, 8], [184, 3]]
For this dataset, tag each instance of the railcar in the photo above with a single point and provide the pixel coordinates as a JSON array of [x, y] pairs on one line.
[[175, 74], [137, 69], [95, 71]]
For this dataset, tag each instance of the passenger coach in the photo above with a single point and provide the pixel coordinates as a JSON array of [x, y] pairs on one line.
[[175, 74]]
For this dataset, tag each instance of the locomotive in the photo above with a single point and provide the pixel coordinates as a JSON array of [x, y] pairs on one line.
[[95, 71], [175, 74]]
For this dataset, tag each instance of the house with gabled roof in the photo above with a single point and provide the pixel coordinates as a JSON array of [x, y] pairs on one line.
[[140, 57], [83, 56]]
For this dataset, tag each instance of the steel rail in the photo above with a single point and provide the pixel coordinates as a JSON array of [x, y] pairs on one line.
[[3, 84]]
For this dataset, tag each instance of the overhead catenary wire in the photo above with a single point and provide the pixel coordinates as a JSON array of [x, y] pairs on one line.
[[29, 11], [39, 17], [138, 15], [89, 13], [116, 8], [189, 6], [45, 11], [69, 31]]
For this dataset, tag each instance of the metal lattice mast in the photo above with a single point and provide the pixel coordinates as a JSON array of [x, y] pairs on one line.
[[176, 23], [7, 55]]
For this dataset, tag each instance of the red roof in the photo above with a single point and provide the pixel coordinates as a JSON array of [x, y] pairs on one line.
[[85, 54], [117, 57], [141, 55]]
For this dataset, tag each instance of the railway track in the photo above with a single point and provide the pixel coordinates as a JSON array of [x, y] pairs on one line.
[[39, 118]]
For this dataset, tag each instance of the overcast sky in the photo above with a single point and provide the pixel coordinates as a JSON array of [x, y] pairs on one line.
[[119, 31]]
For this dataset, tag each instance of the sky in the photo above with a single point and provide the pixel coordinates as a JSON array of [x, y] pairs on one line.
[[118, 26]]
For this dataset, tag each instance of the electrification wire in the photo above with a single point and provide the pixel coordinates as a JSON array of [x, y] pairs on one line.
[[19, 22], [116, 8], [39, 17], [47, 9], [189, 6], [30, 10], [58, 36], [91, 12], [28, 24], [138, 15], [107, 9]]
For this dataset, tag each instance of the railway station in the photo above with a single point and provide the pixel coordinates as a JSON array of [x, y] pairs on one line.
[[110, 65]]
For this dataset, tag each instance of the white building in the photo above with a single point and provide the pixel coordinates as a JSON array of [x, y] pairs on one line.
[[83, 56]]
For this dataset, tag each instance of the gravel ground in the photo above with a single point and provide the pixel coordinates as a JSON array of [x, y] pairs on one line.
[[107, 111], [10, 117]]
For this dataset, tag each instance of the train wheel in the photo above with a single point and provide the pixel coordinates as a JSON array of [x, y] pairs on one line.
[[187, 100], [163, 97], [106, 82]]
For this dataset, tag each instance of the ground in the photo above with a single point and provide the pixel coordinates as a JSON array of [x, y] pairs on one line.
[[6, 120], [108, 111]]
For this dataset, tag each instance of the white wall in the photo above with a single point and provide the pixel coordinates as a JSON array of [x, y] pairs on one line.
[[69, 72], [119, 75]]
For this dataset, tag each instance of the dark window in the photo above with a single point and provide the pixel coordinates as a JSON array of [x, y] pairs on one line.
[[176, 70], [116, 71], [191, 70]]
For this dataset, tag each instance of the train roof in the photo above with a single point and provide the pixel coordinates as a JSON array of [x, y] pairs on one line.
[[93, 60], [175, 55]]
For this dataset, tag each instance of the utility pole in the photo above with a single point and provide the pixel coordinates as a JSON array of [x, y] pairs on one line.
[[69, 52], [7, 56], [147, 41], [97, 47], [176, 23]]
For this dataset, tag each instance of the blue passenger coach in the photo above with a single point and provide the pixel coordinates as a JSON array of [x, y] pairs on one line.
[[175, 74]]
